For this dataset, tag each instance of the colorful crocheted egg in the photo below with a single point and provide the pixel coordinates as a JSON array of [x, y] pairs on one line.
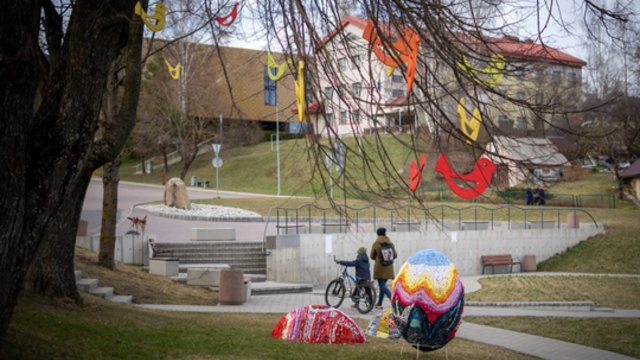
[[318, 324], [427, 299]]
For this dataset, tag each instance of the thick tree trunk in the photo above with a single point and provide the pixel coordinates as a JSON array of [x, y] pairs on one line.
[[52, 269], [110, 181], [51, 142]]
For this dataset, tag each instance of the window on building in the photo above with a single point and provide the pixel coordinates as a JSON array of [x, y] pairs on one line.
[[355, 88], [355, 116], [328, 92], [355, 61], [556, 75], [504, 122], [397, 78], [521, 123], [519, 72], [342, 64], [539, 74], [329, 118], [397, 93], [343, 117], [573, 76], [342, 90], [520, 95], [539, 98], [270, 89]]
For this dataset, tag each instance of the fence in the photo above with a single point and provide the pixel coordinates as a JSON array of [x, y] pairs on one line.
[[518, 197], [310, 218]]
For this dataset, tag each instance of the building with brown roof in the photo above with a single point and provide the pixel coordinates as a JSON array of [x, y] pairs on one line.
[[360, 93]]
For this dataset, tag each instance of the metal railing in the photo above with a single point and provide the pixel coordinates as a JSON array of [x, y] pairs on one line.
[[311, 218]]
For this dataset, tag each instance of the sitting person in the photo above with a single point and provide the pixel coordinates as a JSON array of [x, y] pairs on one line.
[[361, 263]]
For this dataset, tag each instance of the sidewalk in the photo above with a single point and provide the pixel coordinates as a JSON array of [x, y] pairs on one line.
[[537, 346]]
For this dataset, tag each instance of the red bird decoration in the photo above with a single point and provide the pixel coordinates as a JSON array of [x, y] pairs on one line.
[[415, 173], [229, 19], [480, 175]]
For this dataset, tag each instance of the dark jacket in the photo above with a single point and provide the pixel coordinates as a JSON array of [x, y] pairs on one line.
[[380, 271], [361, 263]]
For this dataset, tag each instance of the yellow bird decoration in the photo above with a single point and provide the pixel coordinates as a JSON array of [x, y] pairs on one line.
[[469, 127], [493, 71], [174, 71], [280, 68], [300, 95], [158, 16]]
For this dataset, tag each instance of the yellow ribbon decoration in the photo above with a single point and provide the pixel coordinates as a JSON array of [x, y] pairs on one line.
[[174, 71], [390, 70], [493, 70], [469, 127], [299, 85], [159, 16], [280, 68]]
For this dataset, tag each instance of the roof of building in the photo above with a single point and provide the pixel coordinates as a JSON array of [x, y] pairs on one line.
[[535, 151], [632, 171], [510, 46]]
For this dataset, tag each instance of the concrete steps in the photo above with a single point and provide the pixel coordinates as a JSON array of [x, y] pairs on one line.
[[245, 256], [91, 286]]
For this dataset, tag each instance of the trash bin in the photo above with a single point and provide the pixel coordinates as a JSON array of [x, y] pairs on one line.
[[573, 222], [232, 290], [194, 181], [529, 263]]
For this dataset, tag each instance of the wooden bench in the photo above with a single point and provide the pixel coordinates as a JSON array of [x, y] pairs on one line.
[[203, 183], [498, 259]]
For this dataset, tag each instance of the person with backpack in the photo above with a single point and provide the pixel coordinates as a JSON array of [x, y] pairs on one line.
[[383, 252]]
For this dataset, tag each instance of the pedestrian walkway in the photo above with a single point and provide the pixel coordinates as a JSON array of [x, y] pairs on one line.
[[537, 346]]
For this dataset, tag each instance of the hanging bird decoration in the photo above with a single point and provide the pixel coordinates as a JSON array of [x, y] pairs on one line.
[[480, 175], [493, 71], [280, 69], [300, 93], [158, 16], [174, 71], [469, 127], [404, 50], [230, 18], [415, 173]]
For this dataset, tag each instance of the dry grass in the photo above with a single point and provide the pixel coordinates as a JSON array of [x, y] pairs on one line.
[[603, 291], [144, 287]]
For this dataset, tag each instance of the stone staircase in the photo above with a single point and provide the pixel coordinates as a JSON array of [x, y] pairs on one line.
[[91, 286], [245, 256]]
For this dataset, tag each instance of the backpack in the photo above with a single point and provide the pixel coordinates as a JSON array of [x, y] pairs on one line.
[[386, 254]]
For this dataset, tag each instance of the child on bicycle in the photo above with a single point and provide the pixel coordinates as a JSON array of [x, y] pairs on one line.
[[361, 263]]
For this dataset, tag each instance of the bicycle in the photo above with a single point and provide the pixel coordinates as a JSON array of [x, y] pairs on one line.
[[363, 294]]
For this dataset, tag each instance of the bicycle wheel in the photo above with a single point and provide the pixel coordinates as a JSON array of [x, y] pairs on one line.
[[365, 299], [334, 295]]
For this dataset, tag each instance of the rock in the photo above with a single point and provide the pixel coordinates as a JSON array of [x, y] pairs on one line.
[[175, 194]]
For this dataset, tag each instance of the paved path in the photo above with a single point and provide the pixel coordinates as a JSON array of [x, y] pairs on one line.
[[537, 346]]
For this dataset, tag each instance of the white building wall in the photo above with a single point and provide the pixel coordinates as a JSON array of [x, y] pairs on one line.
[[308, 258]]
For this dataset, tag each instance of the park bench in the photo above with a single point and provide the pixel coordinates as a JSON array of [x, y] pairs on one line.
[[498, 259], [203, 183]]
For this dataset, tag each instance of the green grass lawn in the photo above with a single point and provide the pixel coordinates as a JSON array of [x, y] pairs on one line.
[[45, 329]]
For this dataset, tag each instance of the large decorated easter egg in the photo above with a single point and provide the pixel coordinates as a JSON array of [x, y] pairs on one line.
[[427, 300], [318, 324]]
